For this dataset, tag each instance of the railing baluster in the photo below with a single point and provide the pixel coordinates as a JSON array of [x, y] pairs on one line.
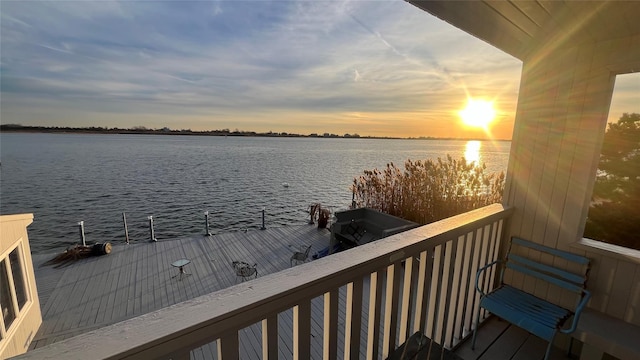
[[330, 339], [270, 337], [484, 260], [430, 290], [373, 325], [458, 299], [228, 346], [445, 292], [475, 303], [467, 288], [496, 252], [180, 355], [302, 330], [353, 320], [434, 293], [454, 293], [407, 285], [422, 295], [413, 295], [391, 308], [487, 282]]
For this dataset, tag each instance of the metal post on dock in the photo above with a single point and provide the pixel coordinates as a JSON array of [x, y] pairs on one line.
[[81, 229], [206, 221], [263, 227], [151, 233], [126, 231], [353, 200]]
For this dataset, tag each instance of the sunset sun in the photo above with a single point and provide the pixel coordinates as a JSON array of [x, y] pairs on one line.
[[478, 113]]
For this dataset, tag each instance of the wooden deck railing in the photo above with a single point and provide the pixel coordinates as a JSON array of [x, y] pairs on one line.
[[373, 297]]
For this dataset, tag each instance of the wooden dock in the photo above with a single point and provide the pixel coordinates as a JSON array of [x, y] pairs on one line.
[[138, 278]]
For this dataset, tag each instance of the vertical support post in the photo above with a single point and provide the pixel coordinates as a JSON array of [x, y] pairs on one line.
[[81, 229], [126, 231], [353, 199], [263, 227], [151, 232], [206, 222]]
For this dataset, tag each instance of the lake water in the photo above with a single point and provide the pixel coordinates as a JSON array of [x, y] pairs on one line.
[[66, 178]]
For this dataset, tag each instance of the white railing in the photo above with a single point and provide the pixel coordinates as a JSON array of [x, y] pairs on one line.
[[360, 302]]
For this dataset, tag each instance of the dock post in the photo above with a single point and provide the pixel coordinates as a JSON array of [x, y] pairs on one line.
[[151, 233], [81, 229], [353, 199], [206, 221], [263, 227], [126, 231]]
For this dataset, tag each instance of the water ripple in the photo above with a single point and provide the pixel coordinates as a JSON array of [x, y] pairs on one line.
[[66, 178]]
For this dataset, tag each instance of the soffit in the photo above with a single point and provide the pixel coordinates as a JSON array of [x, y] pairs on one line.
[[521, 27]]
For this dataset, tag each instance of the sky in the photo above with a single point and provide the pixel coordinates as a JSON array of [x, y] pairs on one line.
[[373, 68]]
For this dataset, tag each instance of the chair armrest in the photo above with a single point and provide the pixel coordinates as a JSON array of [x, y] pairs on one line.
[[482, 269], [576, 315]]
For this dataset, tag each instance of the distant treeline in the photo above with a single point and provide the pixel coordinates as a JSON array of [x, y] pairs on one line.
[[166, 131]]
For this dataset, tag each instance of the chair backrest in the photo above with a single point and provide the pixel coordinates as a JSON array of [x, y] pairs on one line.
[[306, 252], [247, 270], [244, 269], [570, 280]]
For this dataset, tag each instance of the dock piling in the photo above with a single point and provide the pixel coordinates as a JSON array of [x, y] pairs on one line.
[[151, 232], [81, 229], [206, 221], [263, 227], [126, 231]]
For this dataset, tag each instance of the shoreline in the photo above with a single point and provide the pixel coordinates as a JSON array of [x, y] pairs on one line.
[[116, 131]]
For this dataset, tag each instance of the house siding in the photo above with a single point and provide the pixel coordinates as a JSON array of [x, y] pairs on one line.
[[560, 123]]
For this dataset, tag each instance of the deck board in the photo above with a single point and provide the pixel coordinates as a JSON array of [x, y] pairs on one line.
[[498, 339]]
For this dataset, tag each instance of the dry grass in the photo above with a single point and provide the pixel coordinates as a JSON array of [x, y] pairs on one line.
[[428, 191]]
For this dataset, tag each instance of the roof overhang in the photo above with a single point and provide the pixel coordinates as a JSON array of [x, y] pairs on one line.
[[520, 28]]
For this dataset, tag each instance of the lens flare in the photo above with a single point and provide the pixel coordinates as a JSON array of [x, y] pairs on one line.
[[478, 113]]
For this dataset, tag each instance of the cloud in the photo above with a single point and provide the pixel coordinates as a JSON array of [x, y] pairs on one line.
[[284, 62]]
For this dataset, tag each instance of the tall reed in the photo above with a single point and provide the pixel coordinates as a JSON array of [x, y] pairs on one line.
[[428, 190]]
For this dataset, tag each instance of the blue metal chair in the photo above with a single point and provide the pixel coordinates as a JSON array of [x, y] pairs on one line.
[[538, 316]]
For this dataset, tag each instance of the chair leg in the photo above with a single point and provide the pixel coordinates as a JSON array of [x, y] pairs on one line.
[[546, 355], [570, 349]]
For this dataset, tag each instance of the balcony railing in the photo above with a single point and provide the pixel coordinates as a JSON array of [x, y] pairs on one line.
[[365, 301]]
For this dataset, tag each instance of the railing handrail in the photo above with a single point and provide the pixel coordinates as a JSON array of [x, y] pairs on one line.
[[199, 321]]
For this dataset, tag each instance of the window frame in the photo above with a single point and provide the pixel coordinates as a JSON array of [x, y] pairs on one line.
[[594, 244], [18, 311]]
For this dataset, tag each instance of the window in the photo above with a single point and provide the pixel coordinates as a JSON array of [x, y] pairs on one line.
[[13, 290], [6, 302], [614, 215], [18, 278]]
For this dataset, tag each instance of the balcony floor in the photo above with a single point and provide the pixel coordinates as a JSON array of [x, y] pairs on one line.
[[499, 340]]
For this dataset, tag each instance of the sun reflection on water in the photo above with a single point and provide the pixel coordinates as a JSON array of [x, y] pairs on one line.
[[472, 152]]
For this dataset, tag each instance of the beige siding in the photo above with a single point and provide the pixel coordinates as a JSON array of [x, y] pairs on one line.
[[13, 232], [561, 118]]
